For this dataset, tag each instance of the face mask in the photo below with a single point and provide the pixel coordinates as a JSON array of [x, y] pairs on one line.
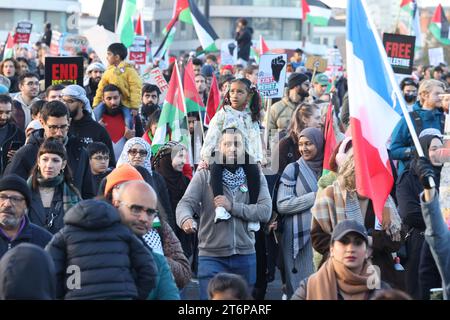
[[410, 97]]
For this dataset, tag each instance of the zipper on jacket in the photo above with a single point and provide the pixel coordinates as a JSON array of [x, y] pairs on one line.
[[9, 245]]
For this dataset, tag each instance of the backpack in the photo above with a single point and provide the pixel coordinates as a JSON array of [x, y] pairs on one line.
[[418, 125]]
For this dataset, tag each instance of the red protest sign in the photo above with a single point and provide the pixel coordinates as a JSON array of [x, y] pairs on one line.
[[400, 52], [138, 50], [23, 32]]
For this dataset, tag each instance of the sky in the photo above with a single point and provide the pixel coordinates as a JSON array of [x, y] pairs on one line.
[[94, 6]]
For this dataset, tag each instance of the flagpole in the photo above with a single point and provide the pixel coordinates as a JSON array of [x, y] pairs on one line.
[[191, 157], [394, 84], [115, 18]]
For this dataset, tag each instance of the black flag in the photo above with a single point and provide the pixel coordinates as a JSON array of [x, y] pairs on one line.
[[108, 16]]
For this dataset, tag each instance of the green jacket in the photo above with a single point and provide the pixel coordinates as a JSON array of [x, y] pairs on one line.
[[165, 289]]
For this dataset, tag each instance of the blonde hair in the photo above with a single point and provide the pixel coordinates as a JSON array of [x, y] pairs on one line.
[[347, 173], [428, 85]]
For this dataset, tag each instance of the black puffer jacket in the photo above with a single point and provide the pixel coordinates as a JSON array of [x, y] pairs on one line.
[[14, 134], [78, 161], [107, 253]]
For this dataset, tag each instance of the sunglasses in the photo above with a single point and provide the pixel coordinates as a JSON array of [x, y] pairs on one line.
[[134, 152]]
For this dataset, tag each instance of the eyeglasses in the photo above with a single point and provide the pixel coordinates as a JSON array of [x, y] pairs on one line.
[[56, 128], [134, 152], [136, 210], [101, 158], [14, 199]]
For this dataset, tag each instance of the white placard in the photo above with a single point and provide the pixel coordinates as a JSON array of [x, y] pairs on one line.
[[272, 75], [155, 76], [436, 56], [228, 53]]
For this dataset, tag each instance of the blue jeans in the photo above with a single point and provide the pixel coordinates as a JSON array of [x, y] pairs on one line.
[[208, 267]]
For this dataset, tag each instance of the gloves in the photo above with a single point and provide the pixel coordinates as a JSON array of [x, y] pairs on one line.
[[424, 170]]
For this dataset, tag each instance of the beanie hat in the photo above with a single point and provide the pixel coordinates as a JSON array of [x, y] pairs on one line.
[[207, 70], [16, 183], [121, 174], [3, 89], [296, 79], [4, 81]]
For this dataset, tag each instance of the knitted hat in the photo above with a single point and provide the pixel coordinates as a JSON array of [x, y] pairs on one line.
[[16, 183], [296, 79], [207, 70], [121, 174]]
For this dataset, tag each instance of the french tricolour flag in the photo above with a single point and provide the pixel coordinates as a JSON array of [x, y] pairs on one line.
[[372, 115]]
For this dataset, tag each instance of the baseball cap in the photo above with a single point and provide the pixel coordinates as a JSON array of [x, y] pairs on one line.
[[347, 226], [321, 78]]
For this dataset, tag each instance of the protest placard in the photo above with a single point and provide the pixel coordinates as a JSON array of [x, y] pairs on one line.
[[138, 50], [55, 43], [63, 70], [400, 51], [23, 32], [155, 76], [436, 56], [272, 75], [228, 53], [317, 63]]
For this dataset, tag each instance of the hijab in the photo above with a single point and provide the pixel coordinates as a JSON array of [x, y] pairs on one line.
[[425, 142], [315, 135], [128, 145]]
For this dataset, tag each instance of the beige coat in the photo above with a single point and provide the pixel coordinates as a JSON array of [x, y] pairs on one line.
[[281, 113]]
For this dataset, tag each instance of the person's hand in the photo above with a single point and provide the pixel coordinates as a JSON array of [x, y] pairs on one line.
[[189, 226], [134, 112], [222, 201], [277, 65], [424, 171], [273, 226], [129, 133], [203, 165], [11, 154]]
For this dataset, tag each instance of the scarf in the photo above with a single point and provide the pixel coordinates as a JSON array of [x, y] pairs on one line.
[[128, 145], [333, 206], [175, 181], [252, 175], [334, 276], [153, 240], [70, 197], [316, 137], [233, 180]]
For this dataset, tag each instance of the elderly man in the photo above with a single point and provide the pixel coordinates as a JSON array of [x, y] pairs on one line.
[[226, 244], [136, 202], [82, 125], [95, 72], [15, 227]]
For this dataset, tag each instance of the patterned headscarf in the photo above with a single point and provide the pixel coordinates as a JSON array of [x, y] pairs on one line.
[[128, 145]]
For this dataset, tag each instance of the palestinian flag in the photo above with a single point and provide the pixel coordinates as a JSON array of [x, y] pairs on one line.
[[125, 28], [263, 48], [173, 115], [315, 12], [439, 26], [330, 140], [410, 6], [193, 100], [166, 43], [213, 101], [187, 11], [8, 50]]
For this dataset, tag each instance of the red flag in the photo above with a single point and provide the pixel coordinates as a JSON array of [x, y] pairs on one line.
[[305, 9], [194, 102], [263, 48], [330, 138], [213, 101], [139, 30]]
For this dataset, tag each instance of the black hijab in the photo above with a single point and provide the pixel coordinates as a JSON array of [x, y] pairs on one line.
[[425, 143]]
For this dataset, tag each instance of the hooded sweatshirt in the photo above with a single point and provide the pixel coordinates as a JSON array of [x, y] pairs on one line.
[[16, 280]]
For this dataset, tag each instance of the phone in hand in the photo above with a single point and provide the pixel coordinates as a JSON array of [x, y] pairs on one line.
[[15, 145]]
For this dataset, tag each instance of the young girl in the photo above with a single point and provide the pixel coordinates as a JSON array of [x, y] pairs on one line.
[[234, 115], [228, 286]]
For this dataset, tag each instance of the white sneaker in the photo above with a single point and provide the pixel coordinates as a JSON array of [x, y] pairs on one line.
[[284, 296], [221, 214]]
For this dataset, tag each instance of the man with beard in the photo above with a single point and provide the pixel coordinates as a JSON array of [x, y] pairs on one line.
[[235, 184], [22, 101], [95, 72], [281, 112], [82, 125], [55, 122], [15, 227], [11, 137], [150, 101], [115, 121]]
